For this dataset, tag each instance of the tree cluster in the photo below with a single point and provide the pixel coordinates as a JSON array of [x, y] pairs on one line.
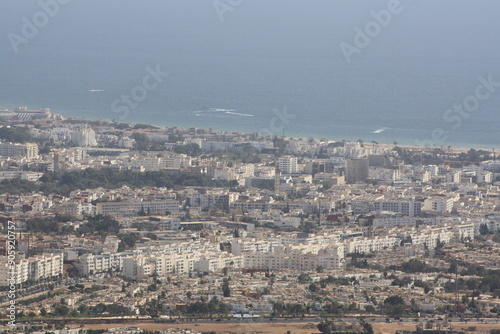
[[212, 307], [65, 182]]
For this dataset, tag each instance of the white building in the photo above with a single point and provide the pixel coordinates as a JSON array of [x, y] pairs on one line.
[[30, 176], [491, 165], [91, 264], [297, 257], [149, 164], [394, 221], [84, 137], [28, 150], [212, 199], [175, 162], [484, 177], [35, 268], [453, 177], [141, 266], [76, 209], [126, 142], [288, 165], [406, 206], [240, 246], [438, 204], [369, 245], [432, 169], [280, 220], [216, 146], [133, 207]]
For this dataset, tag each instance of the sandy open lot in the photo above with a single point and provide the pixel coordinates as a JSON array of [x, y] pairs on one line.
[[282, 328]]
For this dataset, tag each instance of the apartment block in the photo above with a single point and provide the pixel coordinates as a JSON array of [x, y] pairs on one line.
[[175, 162], [438, 204], [356, 170], [405, 206], [132, 207], [35, 268], [84, 137], [297, 257], [28, 150], [90, 263], [288, 165], [211, 199], [141, 266], [368, 245]]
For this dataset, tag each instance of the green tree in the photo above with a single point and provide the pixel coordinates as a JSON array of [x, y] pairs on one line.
[[61, 310], [193, 150], [370, 308], [226, 289], [394, 300], [304, 278], [15, 134], [326, 327], [483, 229], [368, 328]]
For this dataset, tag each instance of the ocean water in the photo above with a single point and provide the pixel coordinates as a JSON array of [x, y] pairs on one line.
[[278, 63]]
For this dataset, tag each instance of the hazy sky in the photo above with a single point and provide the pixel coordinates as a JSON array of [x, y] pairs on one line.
[[455, 30]]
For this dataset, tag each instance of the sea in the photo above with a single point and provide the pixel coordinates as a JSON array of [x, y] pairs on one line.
[[423, 73]]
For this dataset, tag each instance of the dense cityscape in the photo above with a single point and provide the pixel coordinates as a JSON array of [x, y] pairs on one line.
[[113, 227]]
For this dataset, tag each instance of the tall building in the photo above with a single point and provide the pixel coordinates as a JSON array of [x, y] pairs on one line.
[[356, 170], [84, 137], [288, 165]]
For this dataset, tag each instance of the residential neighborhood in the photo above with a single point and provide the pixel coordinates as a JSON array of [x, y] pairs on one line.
[[117, 220]]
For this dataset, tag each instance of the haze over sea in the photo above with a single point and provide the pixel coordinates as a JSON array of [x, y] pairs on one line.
[[264, 55]]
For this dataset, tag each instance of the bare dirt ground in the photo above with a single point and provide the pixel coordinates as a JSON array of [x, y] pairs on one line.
[[385, 328], [295, 328], [261, 328]]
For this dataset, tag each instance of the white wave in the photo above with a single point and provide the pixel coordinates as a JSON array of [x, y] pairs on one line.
[[96, 90], [220, 110], [380, 130], [239, 114], [212, 111]]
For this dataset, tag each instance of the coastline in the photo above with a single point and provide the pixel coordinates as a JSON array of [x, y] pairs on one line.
[[243, 127], [453, 147]]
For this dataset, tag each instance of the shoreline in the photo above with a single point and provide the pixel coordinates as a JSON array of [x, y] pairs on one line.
[[406, 143], [453, 148], [401, 142]]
